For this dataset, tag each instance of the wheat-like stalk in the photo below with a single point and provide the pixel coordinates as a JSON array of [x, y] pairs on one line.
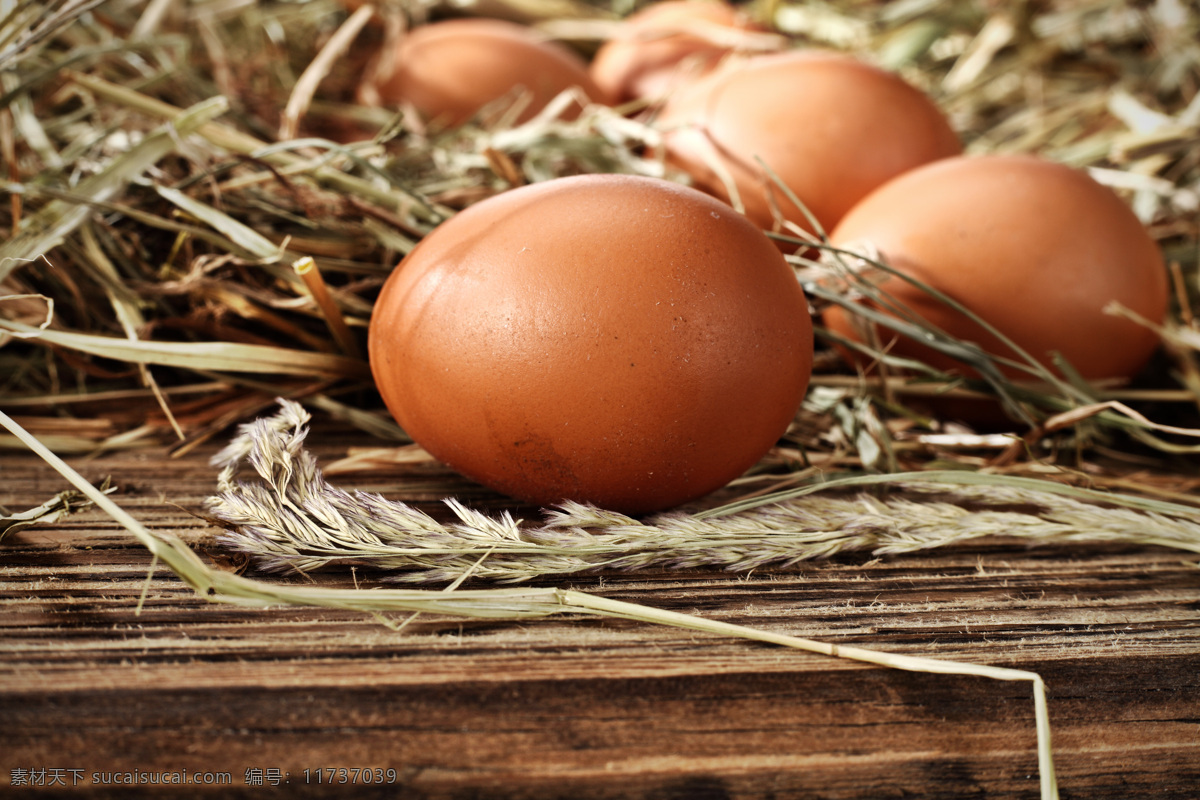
[[292, 518]]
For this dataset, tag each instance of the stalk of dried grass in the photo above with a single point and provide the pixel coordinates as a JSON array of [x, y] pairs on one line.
[[1031, 79], [54, 509], [290, 518]]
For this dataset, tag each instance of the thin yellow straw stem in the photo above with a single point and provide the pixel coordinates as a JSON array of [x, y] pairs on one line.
[[314, 281]]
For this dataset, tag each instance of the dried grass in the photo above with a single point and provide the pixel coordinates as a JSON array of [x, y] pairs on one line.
[[289, 518], [161, 194]]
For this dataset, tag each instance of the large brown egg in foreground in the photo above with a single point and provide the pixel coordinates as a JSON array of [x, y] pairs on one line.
[[610, 339], [830, 127], [450, 70], [1035, 248]]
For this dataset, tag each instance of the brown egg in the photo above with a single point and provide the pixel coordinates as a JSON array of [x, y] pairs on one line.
[[449, 70], [1035, 248], [664, 44], [611, 339], [830, 127]]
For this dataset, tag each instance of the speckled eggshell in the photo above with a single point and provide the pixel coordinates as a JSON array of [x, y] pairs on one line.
[[829, 126], [451, 69], [611, 339], [658, 48], [1036, 248]]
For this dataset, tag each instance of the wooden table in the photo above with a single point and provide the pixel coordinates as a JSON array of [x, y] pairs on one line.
[[289, 702]]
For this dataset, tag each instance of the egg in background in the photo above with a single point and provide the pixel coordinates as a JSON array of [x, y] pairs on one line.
[[830, 127], [450, 70], [1036, 248], [666, 44]]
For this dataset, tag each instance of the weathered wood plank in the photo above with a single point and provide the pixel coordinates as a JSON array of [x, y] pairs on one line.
[[579, 707]]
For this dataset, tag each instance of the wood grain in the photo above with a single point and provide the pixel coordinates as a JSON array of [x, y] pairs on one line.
[[575, 707]]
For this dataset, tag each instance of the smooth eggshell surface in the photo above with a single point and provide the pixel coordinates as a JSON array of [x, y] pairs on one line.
[[1036, 248], [662, 45], [449, 70], [611, 339], [830, 127]]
